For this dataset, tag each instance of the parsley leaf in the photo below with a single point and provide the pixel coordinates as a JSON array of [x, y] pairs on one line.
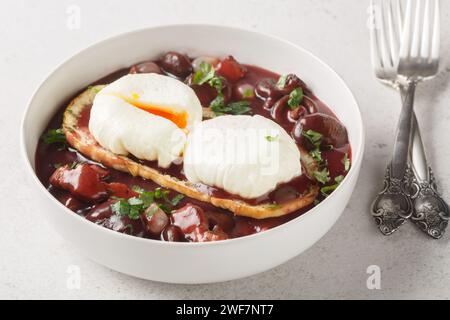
[[121, 207], [316, 154], [217, 83], [248, 93], [148, 198], [137, 189], [167, 208], [272, 139], [175, 200], [55, 136], [346, 162], [295, 98], [281, 82], [135, 201], [239, 107], [134, 206], [328, 189], [236, 108], [204, 74], [158, 193], [323, 176], [314, 137]]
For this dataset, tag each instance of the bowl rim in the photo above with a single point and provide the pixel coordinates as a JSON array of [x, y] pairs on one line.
[[358, 156]]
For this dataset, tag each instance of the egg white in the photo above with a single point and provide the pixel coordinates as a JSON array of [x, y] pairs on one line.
[[243, 155]]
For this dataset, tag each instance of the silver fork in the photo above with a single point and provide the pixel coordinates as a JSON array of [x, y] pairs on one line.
[[405, 52]]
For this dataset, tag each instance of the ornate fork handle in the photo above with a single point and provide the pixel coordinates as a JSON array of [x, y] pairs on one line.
[[431, 213], [394, 204]]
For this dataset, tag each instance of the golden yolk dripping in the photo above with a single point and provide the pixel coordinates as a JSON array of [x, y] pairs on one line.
[[177, 117]]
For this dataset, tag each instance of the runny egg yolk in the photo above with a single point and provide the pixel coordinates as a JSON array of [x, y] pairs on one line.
[[176, 116]]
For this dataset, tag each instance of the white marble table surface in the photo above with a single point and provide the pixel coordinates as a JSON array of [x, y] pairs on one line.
[[34, 259]]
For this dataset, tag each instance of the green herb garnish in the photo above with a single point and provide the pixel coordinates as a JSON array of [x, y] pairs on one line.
[[295, 98], [137, 189], [272, 138], [328, 189], [235, 108], [204, 74], [133, 207], [323, 176], [55, 136], [316, 154], [314, 137], [216, 83], [158, 193], [281, 83], [175, 200], [248, 93]]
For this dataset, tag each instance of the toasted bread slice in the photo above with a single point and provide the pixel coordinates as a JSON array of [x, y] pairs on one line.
[[80, 138]]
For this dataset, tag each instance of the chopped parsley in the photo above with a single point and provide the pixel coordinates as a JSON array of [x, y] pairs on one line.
[[54, 136], [134, 206], [295, 98], [281, 82], [125, 207], [328, 189], [323, 176], [272, 138], [314, 137], [346, 162], [219, 107], [316, 154], [248, 93], [216, 83], [204, 74], [175, 200]]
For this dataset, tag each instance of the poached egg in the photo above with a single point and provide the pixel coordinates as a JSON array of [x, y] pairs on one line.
[[243, 155], [146, 115]]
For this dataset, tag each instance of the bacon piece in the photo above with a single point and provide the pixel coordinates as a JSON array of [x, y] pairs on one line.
[[231, 69], [193, 223], [83, 182], [121, 190], [155, 220]]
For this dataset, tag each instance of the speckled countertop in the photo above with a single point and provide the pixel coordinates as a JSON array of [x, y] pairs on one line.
[[35, 260]]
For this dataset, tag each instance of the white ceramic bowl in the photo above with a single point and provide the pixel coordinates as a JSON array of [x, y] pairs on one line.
[[193, 262]]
